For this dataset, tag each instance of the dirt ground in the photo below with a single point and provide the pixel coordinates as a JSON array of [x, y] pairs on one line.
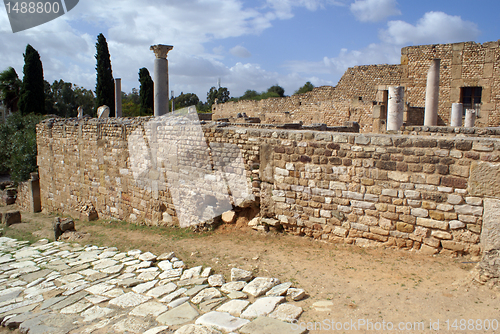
[[377, 285]]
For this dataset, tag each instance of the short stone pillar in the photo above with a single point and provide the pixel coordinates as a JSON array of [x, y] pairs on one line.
[[470, 118], [432, 94], [118, 97], [161, 79], [457, 111], [395, 108]]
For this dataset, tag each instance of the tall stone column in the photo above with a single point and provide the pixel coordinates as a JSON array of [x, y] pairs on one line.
[[161, 78], [432, 94], [457, 110], [118, 97], [470, 118], [395, 108]]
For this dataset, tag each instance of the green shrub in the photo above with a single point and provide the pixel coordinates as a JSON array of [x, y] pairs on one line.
[[18, 146]]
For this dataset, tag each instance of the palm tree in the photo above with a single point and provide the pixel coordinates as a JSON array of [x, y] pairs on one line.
[[10, 86]]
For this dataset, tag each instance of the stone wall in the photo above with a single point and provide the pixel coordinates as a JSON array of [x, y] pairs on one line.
[[407, 191], [138, 169], [352, 100], [363, 82], [423, 193]]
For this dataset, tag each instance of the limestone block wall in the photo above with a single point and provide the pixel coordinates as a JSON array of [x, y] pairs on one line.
[[407, 191], [351, 100], [271, 108], [134, 169], [416, 192], [362, 81], [331, 112]]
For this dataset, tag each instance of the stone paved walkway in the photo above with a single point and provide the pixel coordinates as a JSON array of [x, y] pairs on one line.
[[65, 288]]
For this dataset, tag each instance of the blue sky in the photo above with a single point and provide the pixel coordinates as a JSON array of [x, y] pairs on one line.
[[245, 44]]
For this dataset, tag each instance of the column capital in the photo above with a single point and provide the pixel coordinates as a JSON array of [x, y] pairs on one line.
[[161, 50]]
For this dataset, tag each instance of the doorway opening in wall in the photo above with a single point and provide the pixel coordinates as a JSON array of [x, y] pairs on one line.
[[470, 97]]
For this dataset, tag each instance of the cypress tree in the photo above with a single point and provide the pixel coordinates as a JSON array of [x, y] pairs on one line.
[[105, 86], [146, 92], [32, 96]]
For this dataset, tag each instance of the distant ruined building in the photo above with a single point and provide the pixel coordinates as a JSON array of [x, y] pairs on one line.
[[469, 74]]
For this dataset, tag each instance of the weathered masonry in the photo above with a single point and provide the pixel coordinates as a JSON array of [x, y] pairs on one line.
[[469, 74], [432, 193]]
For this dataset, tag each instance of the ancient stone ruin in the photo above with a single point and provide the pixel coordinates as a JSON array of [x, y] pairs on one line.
[[369, 162], [466, 73]]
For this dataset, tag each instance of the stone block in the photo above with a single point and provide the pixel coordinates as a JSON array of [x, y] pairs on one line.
[[404, 227], [363, 205], [456, 225], [456, 72], [484, 179], [488, 70], [398, 176], [490, 234], [379, 111], [228, 217], [378, 230], [412, 194], [368, 220], [436, 215], [419, 212], [441, 235], [266, 166], [376, 237], [431, 242], [67, 224], [340, 232], [463, 145], [428, 250], [467, 219], [11, 217], [361, 140], [469, 210], [455, 199], [453, 245], [390, 192], [431, 223], [454, 182]]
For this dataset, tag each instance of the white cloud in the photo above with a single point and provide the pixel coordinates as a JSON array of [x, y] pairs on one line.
[[283, 8], [374, 10], [218, 50], [240, 51], [433, 27], [336, 66]]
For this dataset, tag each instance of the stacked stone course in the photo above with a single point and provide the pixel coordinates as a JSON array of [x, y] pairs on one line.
[[407, 191]]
